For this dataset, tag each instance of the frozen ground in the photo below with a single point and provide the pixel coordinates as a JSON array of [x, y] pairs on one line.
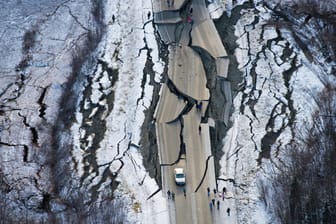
[[119, 100], [275, 95], [37, 46], [275, 100]]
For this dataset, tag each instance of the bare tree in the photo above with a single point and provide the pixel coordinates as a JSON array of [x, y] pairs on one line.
[[313, 26], [304, 191]]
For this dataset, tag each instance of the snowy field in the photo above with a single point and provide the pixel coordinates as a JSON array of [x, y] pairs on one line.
[[130, 35], [273, 102]]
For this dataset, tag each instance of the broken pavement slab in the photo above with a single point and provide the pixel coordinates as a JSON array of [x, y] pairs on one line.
[[184, 37], [169, 106], [169, 144], [187, 73], [222, 66], [167, 33], [205, 35], [198, 11], [167, 17], [167, 5]]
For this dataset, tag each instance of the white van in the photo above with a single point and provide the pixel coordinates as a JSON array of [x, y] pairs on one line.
[[179, 176]]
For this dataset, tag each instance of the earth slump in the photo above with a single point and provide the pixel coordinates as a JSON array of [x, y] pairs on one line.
[[225, 27], [148, 133]]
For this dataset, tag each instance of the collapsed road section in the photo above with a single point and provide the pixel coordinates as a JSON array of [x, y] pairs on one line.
[[182, 126]]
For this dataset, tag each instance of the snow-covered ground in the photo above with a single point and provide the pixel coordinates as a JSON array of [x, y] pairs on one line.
[[275, 101], [272, 104], [129, 37], [265, 105], [36, 45]]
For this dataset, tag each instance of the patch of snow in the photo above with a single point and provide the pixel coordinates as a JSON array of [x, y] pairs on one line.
[[216, 10]]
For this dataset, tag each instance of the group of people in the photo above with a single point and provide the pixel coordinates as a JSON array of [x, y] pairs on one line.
[[213, 203], [171, 194]]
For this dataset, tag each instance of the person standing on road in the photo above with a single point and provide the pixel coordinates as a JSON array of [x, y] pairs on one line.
[[199, 106], [184, 192], [228, 211], [208, 189], [223, 193], [213, 202], [218, 205], [210, 205], [173, 196], [168, 193]]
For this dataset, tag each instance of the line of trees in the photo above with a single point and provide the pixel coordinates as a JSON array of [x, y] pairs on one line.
[[313, 26], [303, 191]]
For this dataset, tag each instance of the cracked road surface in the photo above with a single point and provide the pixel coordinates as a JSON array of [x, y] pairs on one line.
[[183, 138]]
